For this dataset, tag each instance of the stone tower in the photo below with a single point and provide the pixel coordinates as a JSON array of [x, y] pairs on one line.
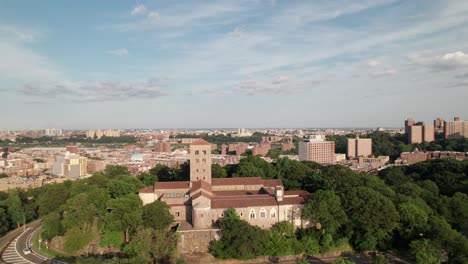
[[200, 160]]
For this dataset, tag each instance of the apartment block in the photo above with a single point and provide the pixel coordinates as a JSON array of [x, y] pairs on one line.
[[456, 129], [317, 150], [359, 147]]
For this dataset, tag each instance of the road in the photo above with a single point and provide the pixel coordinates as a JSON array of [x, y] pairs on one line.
[[19, 240]]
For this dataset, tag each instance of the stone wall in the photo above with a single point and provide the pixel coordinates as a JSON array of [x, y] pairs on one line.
[[196, 241]]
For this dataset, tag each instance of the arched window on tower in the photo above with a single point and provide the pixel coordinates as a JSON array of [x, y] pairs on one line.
[[262, 213], [252, 214]]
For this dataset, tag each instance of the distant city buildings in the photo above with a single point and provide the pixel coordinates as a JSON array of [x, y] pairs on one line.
[[456, 128], [317, 149], [70, 165], [419, 132], [53, 132], [162, 147], [408, 158], [359, 147], [242, 132], [261, 149], [100, 133]]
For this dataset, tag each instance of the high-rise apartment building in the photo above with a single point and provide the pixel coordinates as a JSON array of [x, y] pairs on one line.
[[162, 147], [418, 132], [456, 128], [318, 150], [100, 133], [70, 165], [439, 125], [408, 123], [359, 147]]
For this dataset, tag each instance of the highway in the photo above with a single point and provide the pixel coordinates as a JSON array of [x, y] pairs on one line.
[[18, 240]]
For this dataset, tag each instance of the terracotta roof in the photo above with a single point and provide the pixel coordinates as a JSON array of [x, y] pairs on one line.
[[172, 185], [245, 201], [293, 200], [200, 184], [273, 183], [200, 194], [237, 181], [237, 193], [200, 141], [148, 189], [300, 192]]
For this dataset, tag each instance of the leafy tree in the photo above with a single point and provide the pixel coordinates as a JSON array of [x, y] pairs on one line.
[[325, 208], [148, 179], [239, 240], [292, 173], [157, 215], [117, 188], [152, 246], [15, 208], [98, 179], [3, 222], [113, 171], [413, 220], [425, 251], [124, 214], [253, 166], [51, 226], [78, 212], [373, 217], [217, 171], [52, 196]]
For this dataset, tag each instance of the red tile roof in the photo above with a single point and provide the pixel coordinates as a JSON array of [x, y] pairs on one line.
[[200, 194], [200, 141], [293, 200], [200, 184], [299, 192], [236, 193], [272, 183], [148, 189], [172, 185], [236, 181]]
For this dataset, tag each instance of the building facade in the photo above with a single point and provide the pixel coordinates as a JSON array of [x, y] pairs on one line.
[[317, 150], [456, 128], [359, 147], [70, 166], [419, 132], [203, 200]]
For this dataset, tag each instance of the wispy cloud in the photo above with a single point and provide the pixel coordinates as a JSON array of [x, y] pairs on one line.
[[95, 91], [139, 10], [448, 61], [118, 52]]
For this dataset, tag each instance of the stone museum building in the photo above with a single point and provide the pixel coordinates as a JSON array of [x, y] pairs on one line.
[[203, 200]]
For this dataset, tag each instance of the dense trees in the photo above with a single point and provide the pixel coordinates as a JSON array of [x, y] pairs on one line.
[[157, 215], [415, 207]]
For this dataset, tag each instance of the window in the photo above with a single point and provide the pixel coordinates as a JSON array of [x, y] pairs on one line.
[[262, 213], [273, 213], [204, 160], [177, 213], [197, 152], [204, 152], [252, 214], [197, 160]]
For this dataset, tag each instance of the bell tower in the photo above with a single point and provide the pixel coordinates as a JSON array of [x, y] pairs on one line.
[[200, 160]]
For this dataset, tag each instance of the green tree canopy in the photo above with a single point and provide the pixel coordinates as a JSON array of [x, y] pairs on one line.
[[157, 215]]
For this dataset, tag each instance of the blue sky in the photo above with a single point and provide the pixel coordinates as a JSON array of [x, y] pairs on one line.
[[244, 63]]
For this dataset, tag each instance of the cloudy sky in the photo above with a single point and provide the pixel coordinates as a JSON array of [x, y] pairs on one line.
[[240, 63]]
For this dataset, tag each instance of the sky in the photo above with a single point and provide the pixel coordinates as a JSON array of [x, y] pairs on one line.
[[241, 63]]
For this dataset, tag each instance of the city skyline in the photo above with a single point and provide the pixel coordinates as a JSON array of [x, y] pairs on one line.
[[231, 64]]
